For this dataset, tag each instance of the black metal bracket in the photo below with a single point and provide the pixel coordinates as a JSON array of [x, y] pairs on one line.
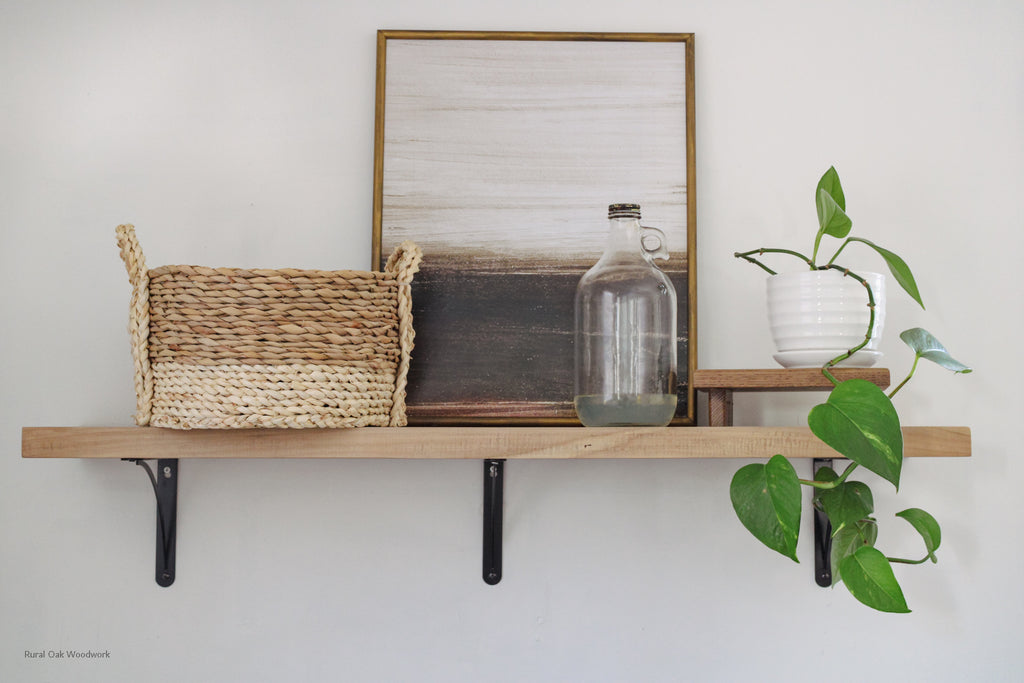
[[165, 486], [822, 537], [494, 487]]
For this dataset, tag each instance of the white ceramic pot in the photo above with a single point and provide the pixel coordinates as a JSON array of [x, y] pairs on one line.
[[816, 315]]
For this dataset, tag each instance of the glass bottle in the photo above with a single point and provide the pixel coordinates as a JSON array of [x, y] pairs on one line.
[[626, 329]]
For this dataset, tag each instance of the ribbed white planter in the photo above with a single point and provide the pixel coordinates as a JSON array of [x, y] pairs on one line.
[[816, 315]]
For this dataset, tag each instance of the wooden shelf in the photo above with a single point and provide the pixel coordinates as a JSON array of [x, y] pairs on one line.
[[474, 443], [492, 445], [721, 440]]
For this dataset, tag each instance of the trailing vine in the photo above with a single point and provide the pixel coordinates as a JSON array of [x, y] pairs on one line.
[[859, 421]]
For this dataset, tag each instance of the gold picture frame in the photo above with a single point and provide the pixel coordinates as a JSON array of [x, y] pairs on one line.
[[498, 153]]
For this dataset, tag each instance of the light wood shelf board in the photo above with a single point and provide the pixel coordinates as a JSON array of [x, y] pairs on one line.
[[783, 379], [472, 443]]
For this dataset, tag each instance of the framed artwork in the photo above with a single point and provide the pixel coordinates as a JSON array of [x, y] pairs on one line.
[[498, 154]]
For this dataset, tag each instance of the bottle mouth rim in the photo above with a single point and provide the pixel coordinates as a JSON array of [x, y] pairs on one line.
[[623, 211]]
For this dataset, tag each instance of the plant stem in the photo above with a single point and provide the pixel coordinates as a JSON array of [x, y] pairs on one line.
[[913, 367], [900, 560], [746, 256], [831, 484], [871, 322], [838, 251]]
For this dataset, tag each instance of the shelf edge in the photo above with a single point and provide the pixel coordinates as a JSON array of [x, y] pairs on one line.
[[464, 443]]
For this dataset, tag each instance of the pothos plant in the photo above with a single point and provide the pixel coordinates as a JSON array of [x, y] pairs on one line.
[[860, 422]]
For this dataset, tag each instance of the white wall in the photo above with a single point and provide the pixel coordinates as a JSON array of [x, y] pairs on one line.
[[240, 133]]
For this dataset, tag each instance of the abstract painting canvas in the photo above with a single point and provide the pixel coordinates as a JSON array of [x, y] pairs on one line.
[[499, 153]]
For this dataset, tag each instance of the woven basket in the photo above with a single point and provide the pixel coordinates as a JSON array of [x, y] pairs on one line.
[[222, 348]]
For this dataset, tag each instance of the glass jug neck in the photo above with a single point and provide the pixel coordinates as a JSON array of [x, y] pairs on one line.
[[624, 235]]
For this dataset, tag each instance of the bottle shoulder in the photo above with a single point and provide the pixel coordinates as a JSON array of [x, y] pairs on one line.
[[620, 271], [625, 283]]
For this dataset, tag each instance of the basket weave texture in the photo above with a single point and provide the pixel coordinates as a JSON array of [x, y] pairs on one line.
[[234, 348]]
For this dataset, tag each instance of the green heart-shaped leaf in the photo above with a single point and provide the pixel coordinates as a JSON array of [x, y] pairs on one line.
[[849, 540], [767, 501], [831, 205], [860, 422], [831, 217], [868, 576], [825, 474], [898, 267], [833, 188], [926, 346], [927, 527], [846, 504]]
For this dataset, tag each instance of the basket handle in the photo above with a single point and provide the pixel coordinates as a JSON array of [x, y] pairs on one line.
[[138, 320], [404, 262]]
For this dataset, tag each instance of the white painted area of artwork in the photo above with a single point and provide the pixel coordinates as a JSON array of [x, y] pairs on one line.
[[519, 146], [241, 134]]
